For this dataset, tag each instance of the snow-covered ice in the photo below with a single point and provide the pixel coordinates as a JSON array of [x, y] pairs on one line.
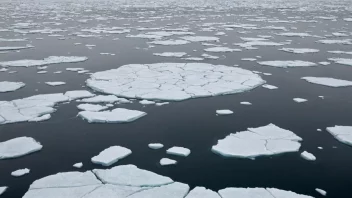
[[299, 100], [46, 61], [201, 192], [91, 107], [245, 103], [224, 112], [342, 61], [299, 50], [111, 155], [167, 161], [261, 141], [179, 151], [174, 190], [341, 133], [331, 82], [20, 172], [308, 156], [118, 115], [146, 102], [259, 193], [286, 64], [173, 81], [55, 83], [78, 165], [6, 86], [155, 145], [18, 147], [171, 54]]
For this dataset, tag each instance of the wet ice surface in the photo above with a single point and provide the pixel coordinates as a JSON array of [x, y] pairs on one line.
[[112, 34]]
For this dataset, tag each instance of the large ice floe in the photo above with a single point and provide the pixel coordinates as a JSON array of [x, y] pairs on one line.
[[341, 133], [6, 86], [46, 61], [34, 107], [286, 64], [262, 141], [342, 61], [173, 81], [118, 115], [18, 147], [331, 82], [130, 181]]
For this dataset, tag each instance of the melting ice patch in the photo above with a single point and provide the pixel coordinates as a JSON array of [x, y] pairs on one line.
[[261, 141], [331, 82], [286, 64], [6, 86], [118, 115], [46, 61], [173, 81], [341, 133], [18, 147]]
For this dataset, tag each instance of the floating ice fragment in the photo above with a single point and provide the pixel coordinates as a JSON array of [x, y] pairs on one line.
[[146, 102], [299, 100], [45, 61], [2, 189], [342, 61], [169, 42], [155, 145], [40, 118], [103, 99], [201, 192], [286, 64], [308, 156], [118, 115], [15, 48], [246, 103], [224, 112], [179, 151], [78, 165], [111, 155], [161, 103], [171, 54], [55, 83], [167, 161], [20, 172], [91, 107], [6, 86], [341, 133], [174, 190], [331, 82], [221, 49], [320, 191], [200, 38], [77, 94], [18, 147], [267, 86], [299, 50]]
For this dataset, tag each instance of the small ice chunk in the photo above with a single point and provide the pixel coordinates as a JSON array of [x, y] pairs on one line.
[[171, 54], [46, 61], [74, 69], [200, 38], [111, 155], [42, 72], [118, 115], [18, 147], [6, 86], [299, 50], [331, 82], [2, 189], [155, 145], [342, 61], [58, 83], [78, 165], [320, 191], [146, 102], [20, 172], [201, 192], [91, 107], [221, 49], [267, 86], [246, 103], [169, 42], [319, 130], [77, 94], [179, 151], [286, 64], [161, 103], [40, 118], [324, 63], [167, 161], [248, 59], [299, 100], [224, 112], [308, 156], [341, 133]]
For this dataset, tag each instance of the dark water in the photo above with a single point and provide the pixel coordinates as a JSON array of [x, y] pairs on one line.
[[68, 139]]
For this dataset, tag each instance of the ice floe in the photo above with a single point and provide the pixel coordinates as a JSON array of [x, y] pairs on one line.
[[179, 151], [118, 115], [20, 172], [91, 107], [261, 141], [200, 38], [267, 86], [259, 192], [299, 100], [105, 99], [299, 50], [169, 42], [308, 156], [174, 190], [286, 64], [40, 118], [331, 82], [15, 48], [336, 41], [245, 103], [320, 191], [155, 145], [146, 102], [111, 155], [221, 49], [56, 83], [201, 192], [173, 81], [78, 165], [342, 61], [46, 61], [167, 161], [18, 147], [341, 133], [77, 94], [224, 112], [2, 189], [171, 54], [6, 86]]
